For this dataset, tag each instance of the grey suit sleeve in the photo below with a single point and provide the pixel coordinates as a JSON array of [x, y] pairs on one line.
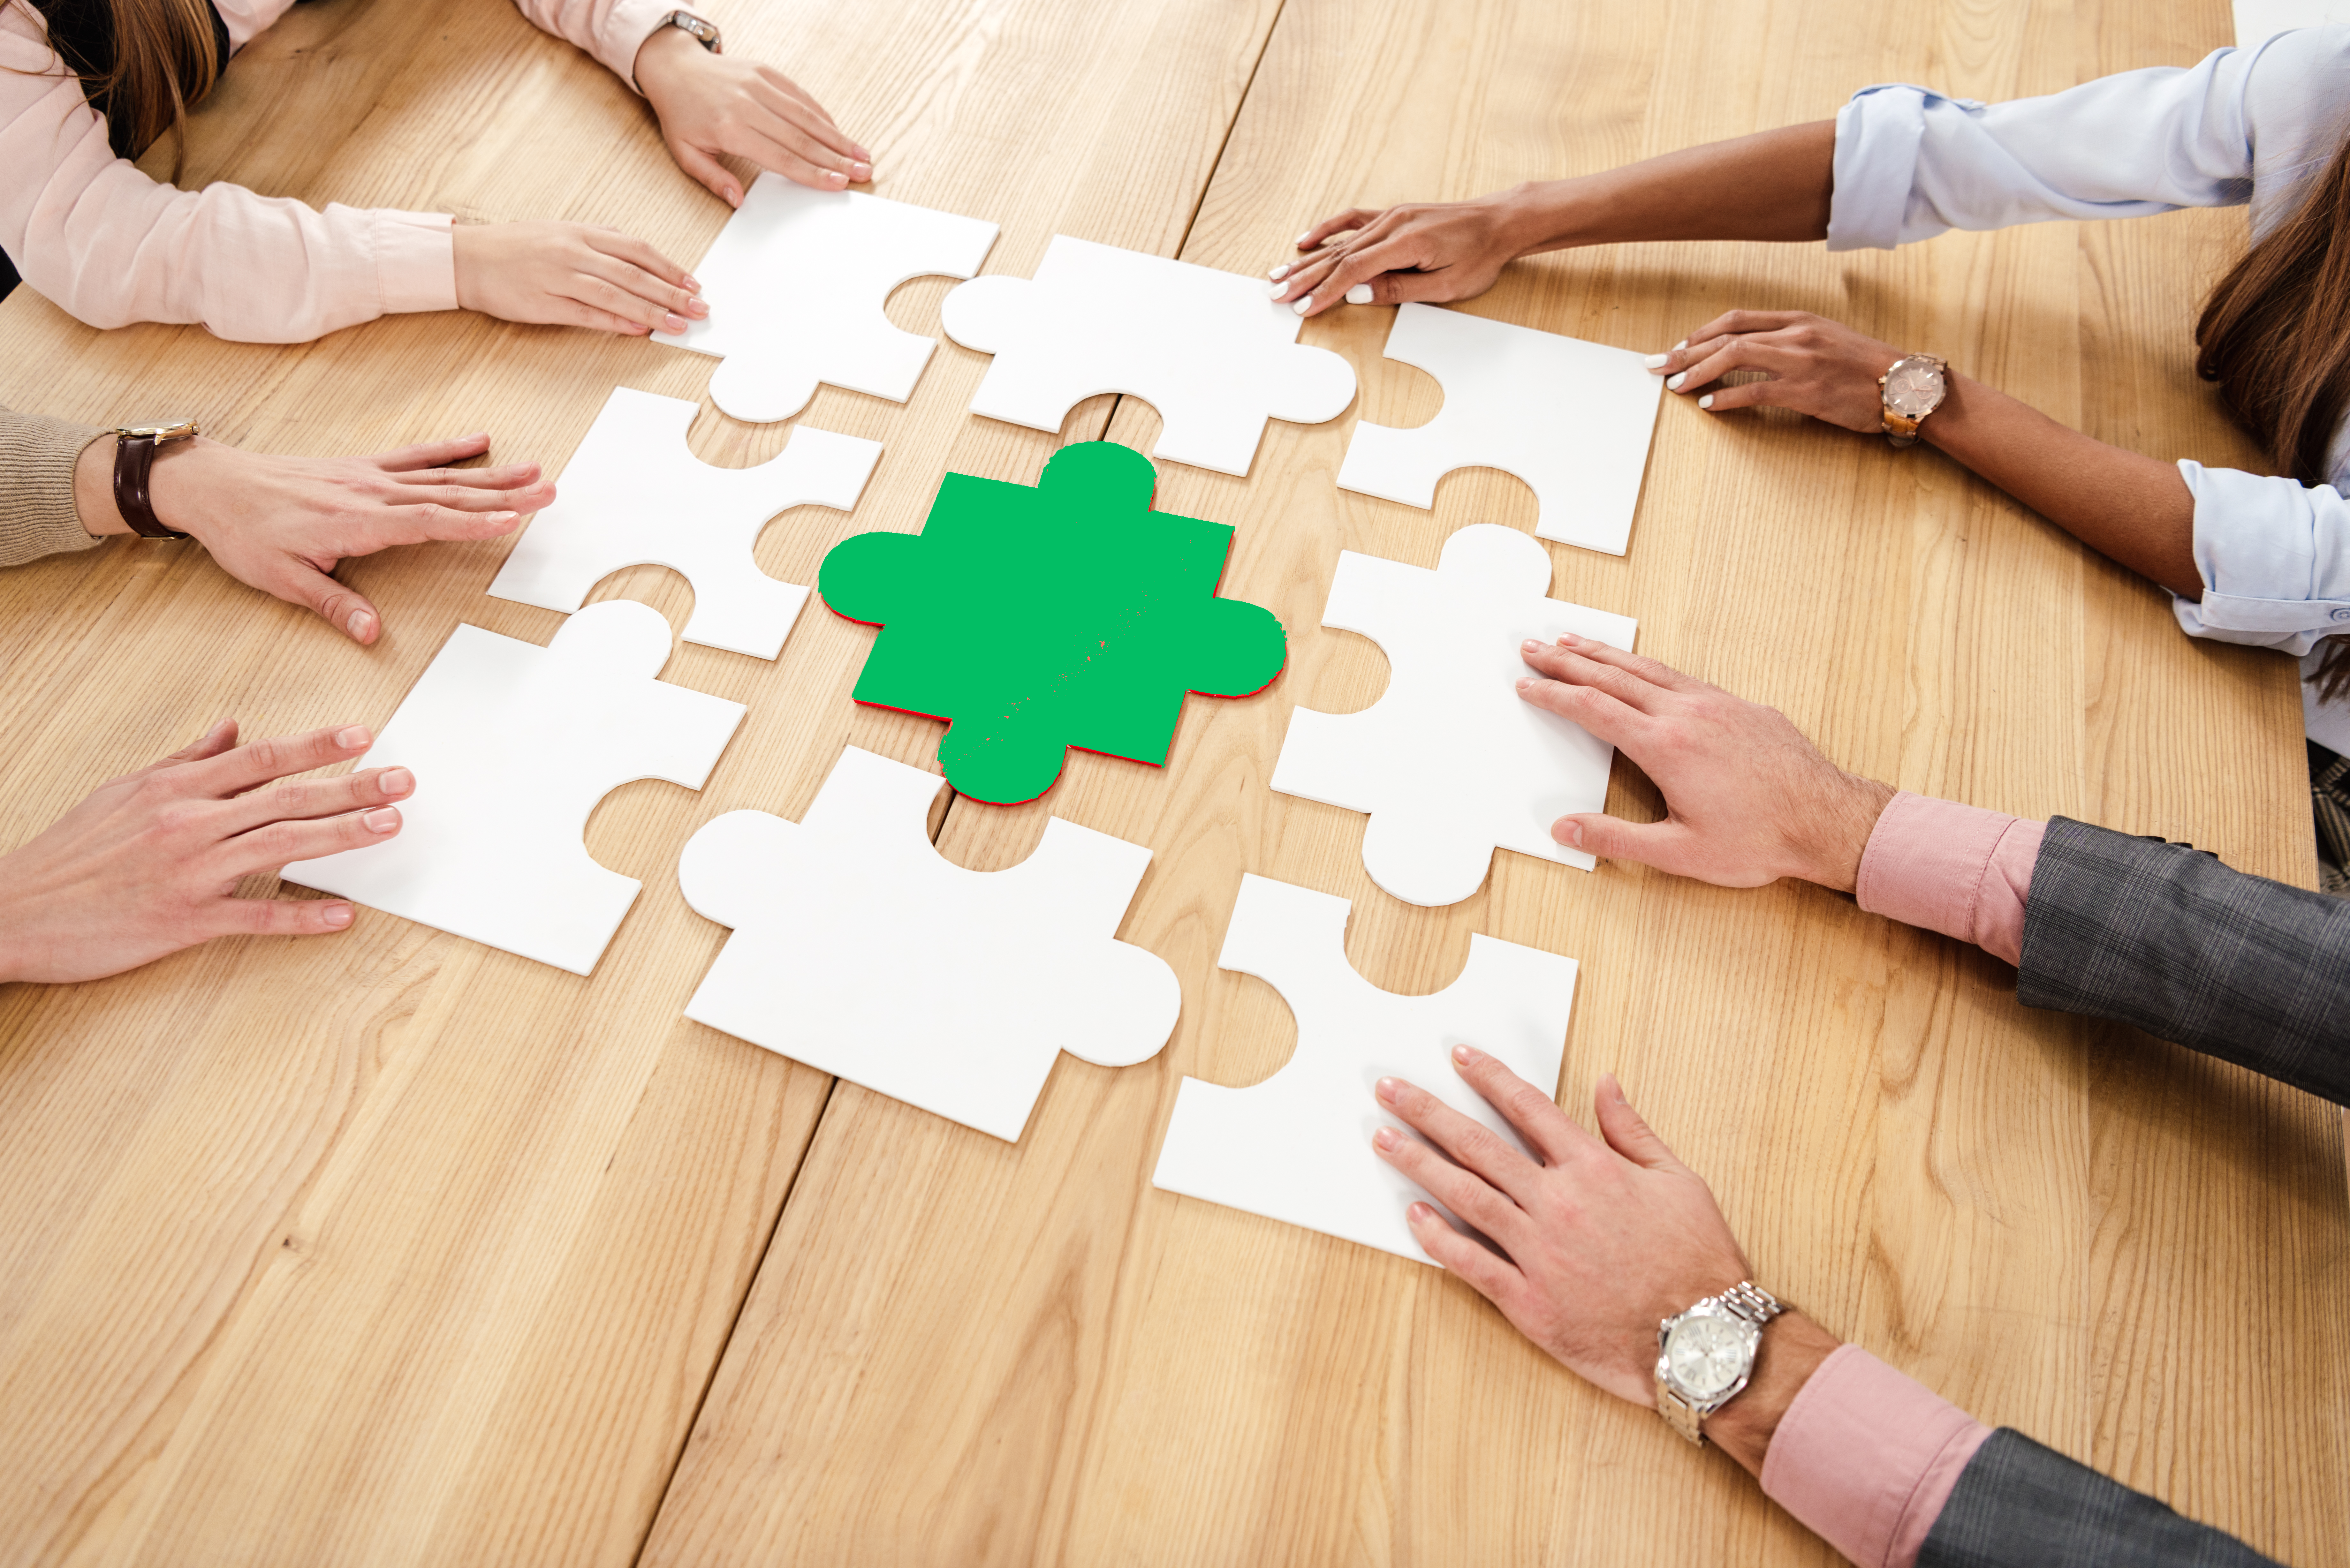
[[2019, 1505], [2165, 936]]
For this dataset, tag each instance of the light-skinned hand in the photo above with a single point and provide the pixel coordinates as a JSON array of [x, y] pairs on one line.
[[1747, 799], [1816, 367], [714, 106], [282, 524], [573, 274], [150, 862], [1423, 250], [1601, 1238]]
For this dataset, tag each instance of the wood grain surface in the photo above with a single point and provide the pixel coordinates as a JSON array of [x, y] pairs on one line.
[[390, 1247]]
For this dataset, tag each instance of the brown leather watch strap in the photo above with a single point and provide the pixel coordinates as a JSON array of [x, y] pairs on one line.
[[134, 466]]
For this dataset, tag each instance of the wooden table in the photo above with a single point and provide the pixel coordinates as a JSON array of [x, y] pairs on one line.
[[390, 1248]]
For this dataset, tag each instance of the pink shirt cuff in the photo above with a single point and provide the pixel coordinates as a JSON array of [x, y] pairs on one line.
[[1865, 1458], [1952, 868], [415, 261]]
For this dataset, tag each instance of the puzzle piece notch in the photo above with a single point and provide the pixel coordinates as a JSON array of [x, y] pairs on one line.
[[1296, 1147], [513, 745], [1571, 418], [1450, 763], [795, 283], [860, 950], [634, 493], [1031, 620], [1208, 350]]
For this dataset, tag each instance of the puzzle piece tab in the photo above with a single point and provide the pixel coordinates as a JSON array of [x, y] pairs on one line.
[[1208, 350], [635, 493], [1450, 763], [512, 745], [1572, 419], [1033, 620], [1297, 1146], [860, 950], [795, 283]]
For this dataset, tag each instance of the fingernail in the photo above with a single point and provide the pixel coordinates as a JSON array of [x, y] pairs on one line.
[[1419, 1214], [860, 171], [733, 198], [396, 781], [1706, 401], [1277, 290], [1617, 1089], [1530, 646], [1384, 1139], [1359, 294], [1303, 305], [1657, 362], [1681, 344], [1526, 682], [353, 737], [1567, 833], [693, 283], [1466, 1055], [360, 624], [1277, 274], [834, 177], [1303, 237], [1568, 639], [335, 916], [673, 322], [1389, 1089], [383, 819], [697, 307], [1673, 382]]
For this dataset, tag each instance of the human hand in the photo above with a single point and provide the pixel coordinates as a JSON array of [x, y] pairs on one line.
[[148, 862], [1815, 366], [1601, 1242], [1748, 800], [573, 274], [710, 106], [282, 524], [1422, 250]]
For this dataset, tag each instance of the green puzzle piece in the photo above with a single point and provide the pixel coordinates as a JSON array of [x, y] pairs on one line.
[[1033, 620]]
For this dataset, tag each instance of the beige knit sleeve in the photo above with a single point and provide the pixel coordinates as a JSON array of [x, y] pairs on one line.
[[37, 500]]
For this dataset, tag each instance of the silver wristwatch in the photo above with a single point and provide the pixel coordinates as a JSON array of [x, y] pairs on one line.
[[1706, 1354], [704, 33]]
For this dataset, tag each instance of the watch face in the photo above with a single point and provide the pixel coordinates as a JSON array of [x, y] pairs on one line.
[[1913, 387], [1706, 1354]]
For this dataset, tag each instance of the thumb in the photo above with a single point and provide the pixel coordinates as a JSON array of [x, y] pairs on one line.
[[1657, 844], [344, 609], [709, 170], [1626, 1133]]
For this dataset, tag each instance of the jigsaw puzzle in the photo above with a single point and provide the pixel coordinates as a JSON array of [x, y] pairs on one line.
[[512, 745], [795, 283], [1032, 620], [1450, 763], [859, 949], [1208, 350], [1297, 1146], [634, 492], [1572, 419]]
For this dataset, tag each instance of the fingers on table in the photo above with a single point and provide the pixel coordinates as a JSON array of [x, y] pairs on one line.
[[1484, 1180], [280, 917], [248, 767], [274, 844], [436, 454], [1494, 1278], [1626, 1132], [295, 800]]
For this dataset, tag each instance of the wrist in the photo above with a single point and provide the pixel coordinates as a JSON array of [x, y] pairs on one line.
[[1837, 835], [93, 489], [1548, 215], [175, 485], [662, 55], [1791, 1349]]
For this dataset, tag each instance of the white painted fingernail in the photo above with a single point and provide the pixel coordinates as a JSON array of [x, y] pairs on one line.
[[1303, 305], [1303, 237], [1673, 383], [1681, 344], [1276, 291], [1657, 362], [1359, 294], [1706, 401], [1277, 274]]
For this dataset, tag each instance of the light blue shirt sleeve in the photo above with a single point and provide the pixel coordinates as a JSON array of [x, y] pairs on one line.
[[2274, 554], [2244, 125]]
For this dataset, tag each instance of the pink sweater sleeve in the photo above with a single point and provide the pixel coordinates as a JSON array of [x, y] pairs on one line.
[[111, 246], [1952, 868], [611, 30], [1865, 1458]]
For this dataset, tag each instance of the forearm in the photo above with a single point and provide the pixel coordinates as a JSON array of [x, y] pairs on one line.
[[2133, 510], [1774, 186]]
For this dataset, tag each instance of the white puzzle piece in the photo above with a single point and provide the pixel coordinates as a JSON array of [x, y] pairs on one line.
[[1208, 350], [635, 493], [795, 282], [512, 745], [860, 950], [1297, 1146], [1572, 419], [1450, 762]]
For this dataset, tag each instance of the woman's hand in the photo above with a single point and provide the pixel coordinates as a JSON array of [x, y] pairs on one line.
[[282, 524], [711, 107], [149, 864], [1600, 1242], [573, 274], [1816, 367], [1748, 800], [1423, 250]]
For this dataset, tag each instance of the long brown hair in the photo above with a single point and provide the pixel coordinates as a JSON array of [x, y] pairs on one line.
[[143, 63], [2275, 336]]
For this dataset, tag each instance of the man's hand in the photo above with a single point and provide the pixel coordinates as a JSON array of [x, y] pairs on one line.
[[1816, 367], [712, 105], [148, 862], [1748, 800], [1600, 1242], [282, 524]]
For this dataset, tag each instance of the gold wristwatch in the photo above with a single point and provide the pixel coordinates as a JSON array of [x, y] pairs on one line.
[[1706, 1354], [1911, 388]]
